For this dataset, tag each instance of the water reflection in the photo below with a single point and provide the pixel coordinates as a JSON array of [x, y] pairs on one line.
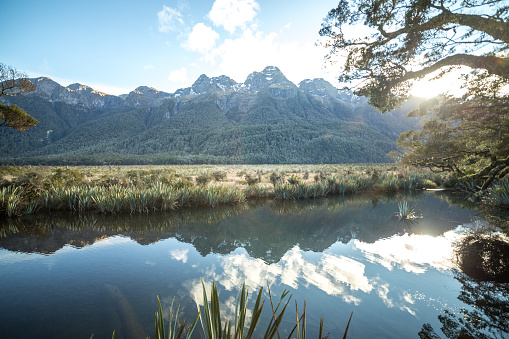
[[485, 315], [267, 230], [411, 252], [340, 254]]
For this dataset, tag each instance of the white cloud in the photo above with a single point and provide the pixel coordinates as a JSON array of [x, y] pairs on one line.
[[232, 14], [110, 89], [286, 27], [169, 19], [254, 50], [201, 39], [180, 255], [148, 67], [410, 252], [178, 75]]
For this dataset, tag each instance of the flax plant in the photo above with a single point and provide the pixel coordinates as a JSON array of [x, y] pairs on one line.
[[498, 195], [175, 330], [214, 328], [11, 199], [406, 211]]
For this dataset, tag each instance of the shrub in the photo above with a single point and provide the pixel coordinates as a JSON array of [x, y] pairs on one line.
[[251, 179], [390, 185], [276, 178], [375, 176], [203, 179], [219, 175], [293, 180]]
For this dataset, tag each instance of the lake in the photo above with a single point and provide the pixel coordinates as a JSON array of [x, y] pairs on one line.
[[71, 275]]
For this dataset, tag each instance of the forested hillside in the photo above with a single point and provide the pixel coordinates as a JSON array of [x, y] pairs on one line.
[[266, 119]]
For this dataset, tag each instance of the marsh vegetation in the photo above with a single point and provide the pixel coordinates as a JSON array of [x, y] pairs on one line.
[[144, 189]]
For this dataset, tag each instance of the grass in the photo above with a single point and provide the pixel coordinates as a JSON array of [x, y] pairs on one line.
[[406, 211], [145, 189], [214, 327]]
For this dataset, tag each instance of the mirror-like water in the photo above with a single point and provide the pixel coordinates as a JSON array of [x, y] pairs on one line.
[[73, 276]]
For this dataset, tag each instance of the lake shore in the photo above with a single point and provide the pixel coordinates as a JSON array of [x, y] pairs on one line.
[[144, 189]]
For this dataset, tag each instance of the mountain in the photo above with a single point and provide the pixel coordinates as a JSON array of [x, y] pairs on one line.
[[266, 119]]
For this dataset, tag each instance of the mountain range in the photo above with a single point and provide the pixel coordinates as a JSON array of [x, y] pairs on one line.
[[266, 119]]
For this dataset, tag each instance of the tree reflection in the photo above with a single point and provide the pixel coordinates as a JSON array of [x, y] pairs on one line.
[[265, 229], [483, 263]]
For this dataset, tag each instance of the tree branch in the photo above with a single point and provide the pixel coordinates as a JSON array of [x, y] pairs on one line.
[[495, 28], [492, 64]]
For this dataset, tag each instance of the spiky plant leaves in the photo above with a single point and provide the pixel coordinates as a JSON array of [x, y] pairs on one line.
[[257, 311], [174, 330], [273, 326], [348, 326]]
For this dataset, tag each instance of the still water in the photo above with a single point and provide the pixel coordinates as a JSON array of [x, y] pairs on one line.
[[71, 276]]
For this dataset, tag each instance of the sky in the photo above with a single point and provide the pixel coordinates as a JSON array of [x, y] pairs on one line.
[[116, 46]]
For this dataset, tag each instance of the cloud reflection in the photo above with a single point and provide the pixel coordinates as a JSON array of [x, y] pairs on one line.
[[335, 274], [180, 255], [413, 253]]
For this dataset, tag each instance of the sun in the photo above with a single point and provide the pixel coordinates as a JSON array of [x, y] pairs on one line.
[[450, 83]]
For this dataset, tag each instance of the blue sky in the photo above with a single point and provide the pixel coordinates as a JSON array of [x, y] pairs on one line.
[[116, 46]]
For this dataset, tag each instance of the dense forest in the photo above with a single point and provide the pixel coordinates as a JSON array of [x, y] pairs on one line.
[[265, 120]]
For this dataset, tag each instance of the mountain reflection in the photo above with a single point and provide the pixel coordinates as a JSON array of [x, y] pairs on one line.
[[266, 230]]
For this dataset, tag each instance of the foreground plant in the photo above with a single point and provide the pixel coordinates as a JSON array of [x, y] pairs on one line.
[[498, 195], [406, 211], [214, 328], [174, 330]]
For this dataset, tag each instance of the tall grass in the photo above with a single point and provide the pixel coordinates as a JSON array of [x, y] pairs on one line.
[[240, 327], [117, 198], [144, 189], [11, 199]]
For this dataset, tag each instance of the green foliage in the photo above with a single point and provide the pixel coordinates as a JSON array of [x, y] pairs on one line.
[[13, 82], [135, 190], [203, 179], [16, 118], [297, 129], [390, 184], [402, 34], [175, 330], [467, 136], [276, 178], [214, 328], [406, 211], [219, 175], [293, 180], [251, 179], [498, 194]]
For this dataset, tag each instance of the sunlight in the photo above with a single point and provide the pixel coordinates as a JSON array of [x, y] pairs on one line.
[[450, 83], [413, 253]]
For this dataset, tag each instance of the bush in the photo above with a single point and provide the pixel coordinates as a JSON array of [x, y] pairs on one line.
[[293, 180], [219, 175], [276, 178], [251, 179], [203, 179]]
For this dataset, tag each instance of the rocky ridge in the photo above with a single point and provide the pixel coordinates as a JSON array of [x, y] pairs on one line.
[[271, 80]]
